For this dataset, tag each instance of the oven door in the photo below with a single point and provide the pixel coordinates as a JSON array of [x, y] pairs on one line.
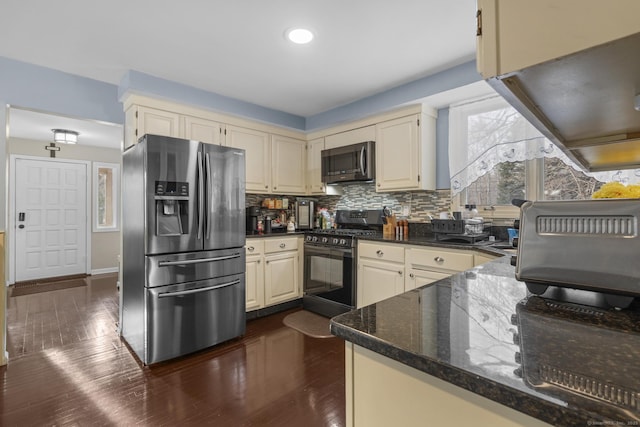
[[330, 273]]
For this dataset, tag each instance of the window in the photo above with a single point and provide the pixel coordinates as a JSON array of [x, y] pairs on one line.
[[105, 196], [495, 156]]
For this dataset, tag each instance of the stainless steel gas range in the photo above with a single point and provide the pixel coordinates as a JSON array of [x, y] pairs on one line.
[[330, 261]]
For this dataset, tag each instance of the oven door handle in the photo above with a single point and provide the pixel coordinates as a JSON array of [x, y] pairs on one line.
[[311, 249]]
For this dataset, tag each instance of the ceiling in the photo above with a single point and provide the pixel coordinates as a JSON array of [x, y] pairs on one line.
[[238, 48]]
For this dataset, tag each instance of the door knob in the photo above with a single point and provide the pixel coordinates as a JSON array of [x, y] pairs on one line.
[[21, 216]]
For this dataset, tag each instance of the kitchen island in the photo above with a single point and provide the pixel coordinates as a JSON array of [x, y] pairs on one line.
[[474, 348]]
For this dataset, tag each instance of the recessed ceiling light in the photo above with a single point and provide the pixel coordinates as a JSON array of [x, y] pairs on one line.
[[299, 35]]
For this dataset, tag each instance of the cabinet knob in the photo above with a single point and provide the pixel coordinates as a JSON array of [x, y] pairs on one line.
[[266, 186], [439, 260], [266, 262], [378, 184], [275, 188], [379, 253], [251, 248], [258, 261], [282, 245], [400, 273], [411, 275]]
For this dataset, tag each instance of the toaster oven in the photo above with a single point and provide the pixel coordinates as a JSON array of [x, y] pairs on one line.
[[581, 244]]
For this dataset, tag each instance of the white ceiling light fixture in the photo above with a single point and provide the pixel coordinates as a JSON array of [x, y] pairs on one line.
[[64, 136], [299, 35]]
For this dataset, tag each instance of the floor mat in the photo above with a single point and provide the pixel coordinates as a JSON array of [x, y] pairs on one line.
[[308, 323], [46, 287]]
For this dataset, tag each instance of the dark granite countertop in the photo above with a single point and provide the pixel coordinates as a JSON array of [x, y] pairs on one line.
[[279, 233], [482, 246], [555, 359]]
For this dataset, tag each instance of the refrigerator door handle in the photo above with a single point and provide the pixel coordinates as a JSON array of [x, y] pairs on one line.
[[197, 261], [200, 195], [207, 226], [196, 291]]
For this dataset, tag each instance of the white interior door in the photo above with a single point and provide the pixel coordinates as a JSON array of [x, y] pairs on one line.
[[51, 218]]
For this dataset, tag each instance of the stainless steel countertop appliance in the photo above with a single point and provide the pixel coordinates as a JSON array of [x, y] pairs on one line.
[[581, 244], [330, 261], [183, 261]]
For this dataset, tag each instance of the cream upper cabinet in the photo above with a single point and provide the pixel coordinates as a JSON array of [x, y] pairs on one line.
[[258, 156], [144, 120], [314, 166], [405, 153], [514, 34], [158, 122], [353, 136], [202, 130], [289, 157]]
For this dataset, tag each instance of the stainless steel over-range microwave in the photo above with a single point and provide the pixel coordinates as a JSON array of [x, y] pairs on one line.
[[356, 162]]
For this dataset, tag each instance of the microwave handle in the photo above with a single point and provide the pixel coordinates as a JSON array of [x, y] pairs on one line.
[[362, 165]]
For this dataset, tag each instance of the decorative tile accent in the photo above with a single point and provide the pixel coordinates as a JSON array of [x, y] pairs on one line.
[[364, 196]]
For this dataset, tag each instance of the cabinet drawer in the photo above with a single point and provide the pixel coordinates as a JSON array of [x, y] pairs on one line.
[[280, 244], [393, 253], [254, 246], [440, 259]]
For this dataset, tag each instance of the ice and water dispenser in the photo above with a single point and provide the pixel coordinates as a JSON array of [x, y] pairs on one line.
[[172, 208]]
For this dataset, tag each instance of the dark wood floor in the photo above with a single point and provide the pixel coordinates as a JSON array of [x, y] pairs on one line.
[[67, 366]]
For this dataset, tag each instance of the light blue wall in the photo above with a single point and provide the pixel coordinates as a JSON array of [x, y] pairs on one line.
[[31, 86], [452, 78]]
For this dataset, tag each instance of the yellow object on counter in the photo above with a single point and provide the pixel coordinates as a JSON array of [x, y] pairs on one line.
[[617, 190]]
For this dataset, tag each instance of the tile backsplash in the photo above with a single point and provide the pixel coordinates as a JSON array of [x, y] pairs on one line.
[[364, 196]]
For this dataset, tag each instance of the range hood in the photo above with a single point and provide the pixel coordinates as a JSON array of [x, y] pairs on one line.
[[584, 103]]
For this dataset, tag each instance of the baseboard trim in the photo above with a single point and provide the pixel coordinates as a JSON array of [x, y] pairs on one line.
[[104, 270]]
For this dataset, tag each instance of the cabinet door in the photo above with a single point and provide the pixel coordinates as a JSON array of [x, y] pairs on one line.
[[289, 165], [258, 156], [378, 280], [158, 122], [398, 154], [510, 38], [314, 166], [202, 130], [254, 279], [419, 278], [281, 277]]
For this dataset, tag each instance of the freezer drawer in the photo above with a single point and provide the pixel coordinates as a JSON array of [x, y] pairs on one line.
[[189, 317], [185, 267]]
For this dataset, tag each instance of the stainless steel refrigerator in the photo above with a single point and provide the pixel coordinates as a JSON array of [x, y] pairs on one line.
[[183, 262]]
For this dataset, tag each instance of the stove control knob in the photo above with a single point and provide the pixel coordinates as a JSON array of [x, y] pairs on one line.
[[308, 238], [335, 241], [343, 242], [325, 240], [315, 238]]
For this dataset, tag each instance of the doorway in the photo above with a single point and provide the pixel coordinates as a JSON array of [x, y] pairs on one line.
[[49, 215]]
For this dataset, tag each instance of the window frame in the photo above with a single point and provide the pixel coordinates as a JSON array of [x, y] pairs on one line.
[[115, 197]]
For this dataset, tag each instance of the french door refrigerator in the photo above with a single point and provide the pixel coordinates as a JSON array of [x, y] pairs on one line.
[[183, 262]]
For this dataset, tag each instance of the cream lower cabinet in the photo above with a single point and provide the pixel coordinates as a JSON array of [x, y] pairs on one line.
[[274, 272], [427, 265], [254, 275], [383, 392], [380, 272], [281, 270]]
